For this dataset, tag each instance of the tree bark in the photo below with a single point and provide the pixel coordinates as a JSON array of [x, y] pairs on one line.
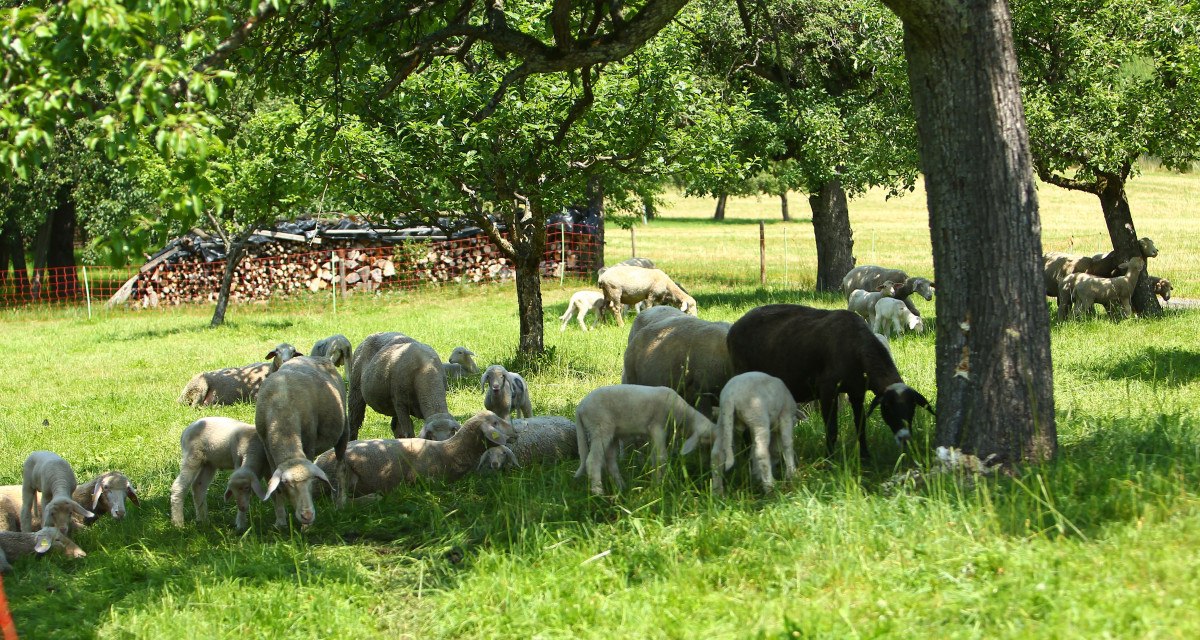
[[529, 280], [60, 248], [595, 205], [233, 258], [720, 212], [12, 249], [41, 247], [835, 238], [1119, 220], [783, 207], [994, 376]]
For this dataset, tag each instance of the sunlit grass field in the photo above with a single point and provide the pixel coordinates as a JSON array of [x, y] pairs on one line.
[[1099, 543]]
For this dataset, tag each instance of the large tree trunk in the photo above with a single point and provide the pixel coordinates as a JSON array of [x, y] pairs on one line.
[[233, 258], [994, 376], [41, 247], [719, 214], [783, 207], [12, 249], [835, 238], [529, 280], [595, 204], [1119, 221], [60, 250]]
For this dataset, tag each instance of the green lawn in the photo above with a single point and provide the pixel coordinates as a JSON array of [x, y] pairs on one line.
[[1099, 543]]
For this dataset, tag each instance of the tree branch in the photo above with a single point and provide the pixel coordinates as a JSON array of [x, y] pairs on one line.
[[265, 11]]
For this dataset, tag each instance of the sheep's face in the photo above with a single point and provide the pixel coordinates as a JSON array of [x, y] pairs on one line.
[[494, 379], [113, 489], [281, 354], [1148, 248], [1163, 289], [494, 429], [915, 323], [923, 288], [898, 405], [49, 538], [295, 477], [60, 510], [442, 427], [463, 356], [241, 484]]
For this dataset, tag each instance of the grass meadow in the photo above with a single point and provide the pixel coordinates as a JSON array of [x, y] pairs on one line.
[[1101, 542]]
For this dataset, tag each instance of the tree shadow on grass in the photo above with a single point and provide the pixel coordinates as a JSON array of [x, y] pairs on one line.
[[707, 221], [1174, 367]]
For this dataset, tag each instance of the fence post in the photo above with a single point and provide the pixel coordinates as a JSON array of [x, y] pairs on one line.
[[332, 289], [785, 258], [562, 257], [87, 291], [632, 243], [762, 254], [342, 273]]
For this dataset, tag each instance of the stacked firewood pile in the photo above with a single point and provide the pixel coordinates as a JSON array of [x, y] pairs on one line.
[[307, 256]]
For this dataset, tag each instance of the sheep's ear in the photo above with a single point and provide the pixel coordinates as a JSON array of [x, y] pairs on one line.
[[493, 435], [273, 484], [482, 459], [99, 491], [78, 508], [319, 473], [228, 493], [874, 403], [257, 488], [271, 355], [512, 457], [42, 542], [129, 492], [690, 444]]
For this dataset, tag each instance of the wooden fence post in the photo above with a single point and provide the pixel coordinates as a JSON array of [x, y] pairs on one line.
[[762, 254]]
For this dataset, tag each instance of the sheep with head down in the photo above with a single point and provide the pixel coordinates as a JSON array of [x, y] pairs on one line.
[[400, 377], [234, 384], [669, 348], [301, 411], [337, 348], [627, 284]]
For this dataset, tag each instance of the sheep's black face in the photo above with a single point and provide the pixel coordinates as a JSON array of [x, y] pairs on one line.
[[899, 403]]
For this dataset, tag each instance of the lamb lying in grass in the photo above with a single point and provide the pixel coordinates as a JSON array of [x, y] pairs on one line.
[[14, 544], [540, 440]]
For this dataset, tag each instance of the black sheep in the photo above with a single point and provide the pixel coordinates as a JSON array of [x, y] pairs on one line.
[[819, 353]]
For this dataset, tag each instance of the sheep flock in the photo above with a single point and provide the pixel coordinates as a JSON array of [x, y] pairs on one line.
[[715, 391]]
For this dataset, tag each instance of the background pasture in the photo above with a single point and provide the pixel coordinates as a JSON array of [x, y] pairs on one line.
[[1100, 542]]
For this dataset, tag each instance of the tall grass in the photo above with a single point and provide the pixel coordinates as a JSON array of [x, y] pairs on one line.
[[1099, 542]]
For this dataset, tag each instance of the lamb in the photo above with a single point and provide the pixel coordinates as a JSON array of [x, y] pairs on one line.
[[625, 284], [301, 412], [819, 353], [580, 304], [505, 392], [460, 364], [892, 317], [863, 302], [106, 493], [15, 544], [761, 404], [378, 466], [624, 410], [870, 278], [47, 474], [209, 444], [337, 348], [1058, 265], [1079, 291], [234, 384], [541, 439], [400, 377], [1161, 287], [671, 349]]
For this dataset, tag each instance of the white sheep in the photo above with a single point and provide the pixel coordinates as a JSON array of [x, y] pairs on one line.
[[1079, 291], [107, 493], [46, 476], [540, 440], [892, 317], [761, 405], [337, 348], [460, 364], [378, 466], [625, 410], [504, 392], [626, 284], [234, 384], [581, 303], [209, 444], [863, 302], [301, 411], [14, 544], [671, 349], [400, 377]]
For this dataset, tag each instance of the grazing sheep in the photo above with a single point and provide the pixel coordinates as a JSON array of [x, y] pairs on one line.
[[47, 474], [1161, 287], [505, 392], [763, 406], [1079, 291], [624, 284], [460, 364], [209, 444], [624, 410], [337, 348], [378, 466], [234, 384], [580, 304], [668, 348], [870, 278], [106, 493], [400, 377], [892, 317], [301, 412], [863, 302], [820, 353], [540, 439], [14, 544]]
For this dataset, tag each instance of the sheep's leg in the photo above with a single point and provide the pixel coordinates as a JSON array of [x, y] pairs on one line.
[[860, 422], [717, 459], [200, 491], [402, 424], [187, 475], [829, 406], [787, 428], [610, 459], [281, 517], [762, 454], [595, 463], [658, 439], [28, 497], [356, 410], [341, 473]]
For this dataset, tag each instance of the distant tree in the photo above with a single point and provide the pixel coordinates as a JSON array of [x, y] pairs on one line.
[[1107, 83]]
